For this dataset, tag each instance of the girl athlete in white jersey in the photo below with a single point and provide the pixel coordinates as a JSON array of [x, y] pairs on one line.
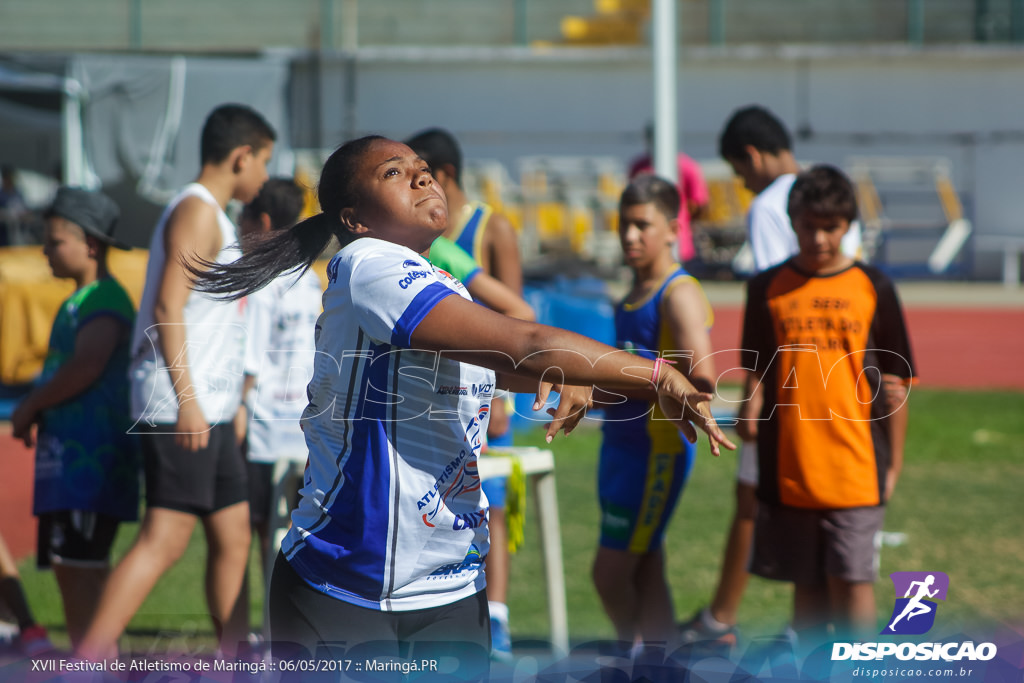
[[387, 543]]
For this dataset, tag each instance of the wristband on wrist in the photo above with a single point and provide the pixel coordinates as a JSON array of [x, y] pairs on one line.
[[658, 362]]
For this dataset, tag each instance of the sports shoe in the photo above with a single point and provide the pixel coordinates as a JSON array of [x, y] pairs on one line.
[[701, 628], [501, 642], [33, 641]]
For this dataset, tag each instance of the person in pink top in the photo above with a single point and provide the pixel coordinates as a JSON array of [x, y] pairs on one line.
[[692, 190]]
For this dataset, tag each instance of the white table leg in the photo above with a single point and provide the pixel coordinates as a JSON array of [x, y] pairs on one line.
[[551, 545]]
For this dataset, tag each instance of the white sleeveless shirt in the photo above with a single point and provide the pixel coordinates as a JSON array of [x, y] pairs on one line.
[[214, 336]]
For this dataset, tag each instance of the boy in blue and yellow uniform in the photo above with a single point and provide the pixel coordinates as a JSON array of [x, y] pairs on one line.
[[644, 460]]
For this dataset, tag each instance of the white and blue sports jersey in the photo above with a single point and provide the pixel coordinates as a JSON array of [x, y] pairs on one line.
[[392, 516]]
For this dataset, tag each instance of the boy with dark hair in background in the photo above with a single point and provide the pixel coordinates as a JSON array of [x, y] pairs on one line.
[[829, 454], [187, 366], [759, 149]]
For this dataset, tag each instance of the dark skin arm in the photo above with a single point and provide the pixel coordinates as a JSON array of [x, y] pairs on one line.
[[502, 255], [896, 401], [94, 345], [464, 332]]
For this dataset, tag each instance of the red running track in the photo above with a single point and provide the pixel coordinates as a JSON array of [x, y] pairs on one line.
[[977, 348], [953, 348]]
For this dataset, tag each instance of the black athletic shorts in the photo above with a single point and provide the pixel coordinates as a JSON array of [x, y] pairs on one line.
[[197, 482], [305, 624], [261, 491], [75, 538]]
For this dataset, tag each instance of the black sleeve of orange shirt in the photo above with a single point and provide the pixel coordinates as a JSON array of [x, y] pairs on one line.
[[757, 345], [890, 329]]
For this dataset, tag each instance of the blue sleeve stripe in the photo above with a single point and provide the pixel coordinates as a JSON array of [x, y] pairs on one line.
[[472, 274], [416, 311]]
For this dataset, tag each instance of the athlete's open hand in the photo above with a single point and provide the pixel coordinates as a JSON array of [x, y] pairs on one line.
[[573, 403], [686, 407]]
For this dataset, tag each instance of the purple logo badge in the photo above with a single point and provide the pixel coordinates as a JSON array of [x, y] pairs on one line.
[[914, 613]]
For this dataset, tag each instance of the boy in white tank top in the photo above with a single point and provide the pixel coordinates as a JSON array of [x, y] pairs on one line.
[[186, 375]]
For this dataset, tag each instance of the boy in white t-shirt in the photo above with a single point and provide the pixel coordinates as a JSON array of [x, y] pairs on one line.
[[187, 353]]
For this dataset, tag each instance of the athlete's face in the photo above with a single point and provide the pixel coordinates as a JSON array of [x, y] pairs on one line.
[[65, 247], [820, 239], [751, 170], [399, 200], [251, 169], [645, 234]]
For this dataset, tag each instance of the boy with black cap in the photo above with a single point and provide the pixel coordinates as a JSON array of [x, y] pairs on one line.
[[87, 465]]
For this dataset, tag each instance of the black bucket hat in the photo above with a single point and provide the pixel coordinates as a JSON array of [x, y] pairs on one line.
[[93, 212]]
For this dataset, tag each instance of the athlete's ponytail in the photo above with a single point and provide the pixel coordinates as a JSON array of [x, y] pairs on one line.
[[265, 257], [284, 251]]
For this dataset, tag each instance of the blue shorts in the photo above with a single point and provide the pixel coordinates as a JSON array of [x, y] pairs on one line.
[[494, 487], [638, 493]]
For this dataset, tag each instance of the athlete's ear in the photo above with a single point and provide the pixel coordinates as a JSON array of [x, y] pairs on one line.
[[265, 223], [239, 157], [351, 222], [754, 156]]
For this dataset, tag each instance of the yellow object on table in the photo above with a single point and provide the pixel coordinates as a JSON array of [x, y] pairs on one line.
[[515, 506]]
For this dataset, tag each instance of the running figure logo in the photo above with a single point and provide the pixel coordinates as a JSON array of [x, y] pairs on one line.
[[914, 613]]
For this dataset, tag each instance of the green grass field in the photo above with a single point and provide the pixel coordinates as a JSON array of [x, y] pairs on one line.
[[958, 502]]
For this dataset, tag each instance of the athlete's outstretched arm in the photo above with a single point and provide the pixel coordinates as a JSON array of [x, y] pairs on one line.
[[465, 332]]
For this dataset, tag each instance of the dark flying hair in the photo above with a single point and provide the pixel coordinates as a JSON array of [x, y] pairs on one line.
[[284, 251], [824, 191], [438, 147], [230, 126], [652, 189], [279, 198], [754, 126]]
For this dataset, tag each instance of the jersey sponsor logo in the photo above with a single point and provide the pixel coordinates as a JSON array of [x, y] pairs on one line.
[[470, 520], [483, 389], [455, 281], [412, 277], [459, 477], [616, 522], [472, 561], [830, 303], [451, 390], [409, 263], [332, 269]]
